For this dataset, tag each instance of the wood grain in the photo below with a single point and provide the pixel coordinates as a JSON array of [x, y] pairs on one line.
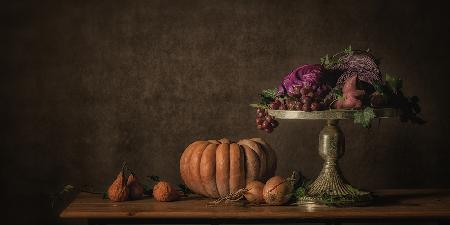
[[390, 204]]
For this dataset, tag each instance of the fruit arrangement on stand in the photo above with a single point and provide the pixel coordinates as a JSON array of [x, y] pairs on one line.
[[347, 85], [348, 80]]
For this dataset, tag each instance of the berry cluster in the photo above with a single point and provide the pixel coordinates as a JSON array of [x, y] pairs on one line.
[[264, 121], [302, 98]]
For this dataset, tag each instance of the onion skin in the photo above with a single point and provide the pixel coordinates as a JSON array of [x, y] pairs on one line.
[[255, 192], [277, 191]]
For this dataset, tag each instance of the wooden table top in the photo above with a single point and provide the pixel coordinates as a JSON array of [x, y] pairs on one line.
[[390, 204]]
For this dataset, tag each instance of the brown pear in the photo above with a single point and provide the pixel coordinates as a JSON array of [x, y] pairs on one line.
[[118, 191], [135, 187], [164, 192]]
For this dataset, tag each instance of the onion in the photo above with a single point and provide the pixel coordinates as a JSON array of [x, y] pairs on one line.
[[255, 192], [277, 191]]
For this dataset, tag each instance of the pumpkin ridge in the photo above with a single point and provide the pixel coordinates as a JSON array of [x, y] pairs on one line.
[[208, 170], [223, 169], [194, 168], [252, 164], [262, 157], [271, 159], [184, 163], [236, 166]]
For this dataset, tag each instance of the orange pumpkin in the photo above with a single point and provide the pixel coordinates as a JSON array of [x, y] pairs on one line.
[[216, 168]]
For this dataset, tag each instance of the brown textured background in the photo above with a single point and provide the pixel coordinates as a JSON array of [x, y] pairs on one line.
[[86, 85]]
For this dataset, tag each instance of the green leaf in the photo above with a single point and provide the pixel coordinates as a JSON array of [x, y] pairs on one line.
[[394, 83], [185, 189], [154, 178], [348, 50], [270, 93], [300, 192], [68, 188], [105, 195], [328, 62], [364, 117], [267, 96], [148, 190], [325, 60]]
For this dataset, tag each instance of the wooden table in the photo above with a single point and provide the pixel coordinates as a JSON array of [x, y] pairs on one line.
[[390, 205]]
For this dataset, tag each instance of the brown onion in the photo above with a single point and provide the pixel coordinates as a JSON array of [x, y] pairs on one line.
[[255, 192], [277, 191]]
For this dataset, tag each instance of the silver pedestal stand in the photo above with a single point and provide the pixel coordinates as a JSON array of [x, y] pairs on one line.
[[330, 183]]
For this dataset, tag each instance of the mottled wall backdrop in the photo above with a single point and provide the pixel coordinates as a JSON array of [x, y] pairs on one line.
[[87, 85]]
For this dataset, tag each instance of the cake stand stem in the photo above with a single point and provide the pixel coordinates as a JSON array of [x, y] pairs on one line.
[[330, 181]]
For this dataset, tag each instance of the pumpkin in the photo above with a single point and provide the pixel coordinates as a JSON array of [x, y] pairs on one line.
[[216, 168]]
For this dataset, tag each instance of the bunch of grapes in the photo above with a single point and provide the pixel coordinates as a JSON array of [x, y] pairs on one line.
[[264, 121], [303, 98]]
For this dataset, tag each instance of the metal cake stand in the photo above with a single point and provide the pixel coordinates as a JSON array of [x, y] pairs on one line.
[[330, 182]]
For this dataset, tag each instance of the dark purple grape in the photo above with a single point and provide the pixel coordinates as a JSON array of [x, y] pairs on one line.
[[269, 118], [291, 105], [274, 124], [303, 91], [314, 106], [322, 106], [259, 120], [296, 91], [275, 104], [259, 110], [265, 124], [298, 105], [269, 130], [306, 100], [306, 107]]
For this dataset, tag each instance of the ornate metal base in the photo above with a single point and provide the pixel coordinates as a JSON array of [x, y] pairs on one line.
[[330, 187]]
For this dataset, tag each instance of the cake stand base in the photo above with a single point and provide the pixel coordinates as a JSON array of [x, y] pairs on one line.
[[330, 187]]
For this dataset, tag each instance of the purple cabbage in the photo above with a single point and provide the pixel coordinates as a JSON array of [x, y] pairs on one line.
[[305, 75], [361, 64]]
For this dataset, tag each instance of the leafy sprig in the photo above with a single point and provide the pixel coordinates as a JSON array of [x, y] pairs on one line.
[[328, 62], [267, 96], [364, 117], [394, 83], [348, 50]]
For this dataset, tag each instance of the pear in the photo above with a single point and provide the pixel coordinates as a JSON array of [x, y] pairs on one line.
[[135, 187], [118, 191]]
